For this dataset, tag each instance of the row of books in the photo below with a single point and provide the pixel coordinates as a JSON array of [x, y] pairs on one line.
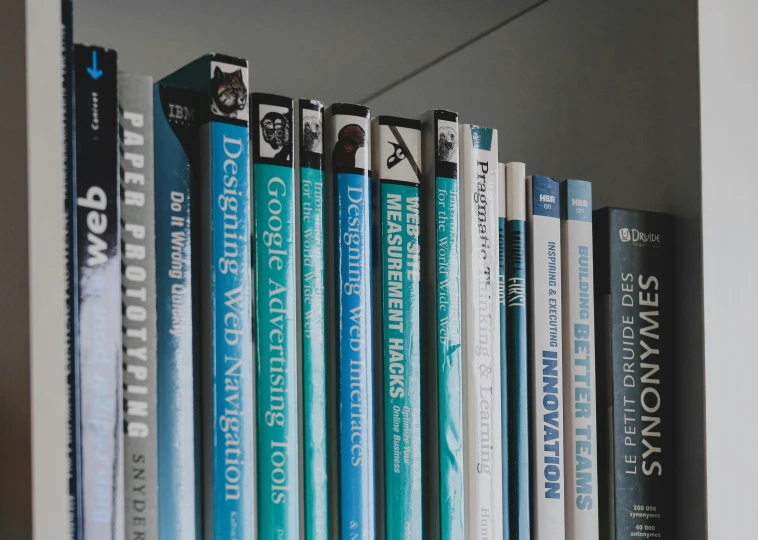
[[247, 271]]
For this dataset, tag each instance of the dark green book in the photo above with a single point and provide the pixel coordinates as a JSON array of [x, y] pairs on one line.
[[633, 305]]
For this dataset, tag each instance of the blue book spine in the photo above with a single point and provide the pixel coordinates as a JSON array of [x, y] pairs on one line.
[[349, 164], [503, 319], [176, 220], [225, 294], [99, 288], [518, 354], [275, 286], [72, 300]]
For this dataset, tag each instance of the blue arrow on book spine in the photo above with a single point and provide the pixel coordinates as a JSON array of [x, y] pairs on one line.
[[93, 71]]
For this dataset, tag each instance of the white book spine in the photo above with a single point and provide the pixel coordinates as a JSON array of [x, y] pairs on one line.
[[481, 333], [579, 362], [546, 352]]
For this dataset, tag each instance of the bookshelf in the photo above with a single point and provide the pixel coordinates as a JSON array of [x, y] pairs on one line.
[[652, 101]]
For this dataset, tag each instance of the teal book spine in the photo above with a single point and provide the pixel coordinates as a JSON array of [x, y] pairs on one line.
[[441, 292], [350, 182], [309, 165], [502, 243], [225, 284], [517, 343], [274, 289], [176, 226], [397, 169]]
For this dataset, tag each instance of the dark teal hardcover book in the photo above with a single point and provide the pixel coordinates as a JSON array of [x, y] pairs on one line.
[[442, 389], [225, 293], [517, 343], [177, 170], [633, 319], [397, 336], [309, 167]]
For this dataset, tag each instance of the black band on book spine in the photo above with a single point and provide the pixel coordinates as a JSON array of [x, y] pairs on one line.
[[311, 160], [229, 60], [399, 182], [352, 170], [351, 110], [399, 122], [311, 104], [442, 114], [275, 129]]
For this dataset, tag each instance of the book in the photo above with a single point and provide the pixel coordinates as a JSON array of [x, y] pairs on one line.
[[177, 170], [72, 300], [397, 178], [139, 333], [544, 234], [225, 283], [98, 269], [634, 298], [309, 168], [274, 290], [503, 359], [518, 461], [350, 311], [442, 390], [481, 332], [580, 428]]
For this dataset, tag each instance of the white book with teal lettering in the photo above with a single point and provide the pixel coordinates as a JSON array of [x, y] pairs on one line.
[[481, 333]]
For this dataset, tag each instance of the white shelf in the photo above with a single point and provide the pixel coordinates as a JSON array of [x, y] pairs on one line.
[[612, 92]]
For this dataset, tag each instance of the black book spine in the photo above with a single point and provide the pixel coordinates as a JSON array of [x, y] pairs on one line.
[[69, 187], [633, 302], [98, 266]]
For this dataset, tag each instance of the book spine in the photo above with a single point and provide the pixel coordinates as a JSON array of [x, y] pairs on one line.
[[348, 166], [139, 354], [274, 288], [176, 220], [312, 309], [546, 351], [503, 359], [226, 315], [443, 388], [636, 291], [481, 332], [99, 305], [518, 355], [72, 300], [397, 166], [580, 437]]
